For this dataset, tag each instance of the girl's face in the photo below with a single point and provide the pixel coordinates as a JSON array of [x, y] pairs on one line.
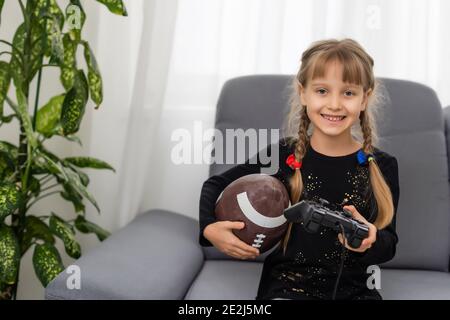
[[333, 106]]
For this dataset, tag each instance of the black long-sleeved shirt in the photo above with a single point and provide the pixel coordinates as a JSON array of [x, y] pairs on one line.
[[310, 265]]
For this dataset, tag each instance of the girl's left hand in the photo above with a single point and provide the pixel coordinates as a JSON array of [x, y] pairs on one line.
[[367, 242]]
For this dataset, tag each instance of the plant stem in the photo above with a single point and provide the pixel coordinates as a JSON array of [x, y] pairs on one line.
[[16, 55], [18, 220], [12, 105], [36, 101], [44, 177], [41, 197], [8, 43], [5, 52], [52, 186], [13, 176], [22, 8], [49, 65], [47, 188]]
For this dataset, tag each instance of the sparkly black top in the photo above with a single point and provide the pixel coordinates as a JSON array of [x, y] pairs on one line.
[[309, 268]]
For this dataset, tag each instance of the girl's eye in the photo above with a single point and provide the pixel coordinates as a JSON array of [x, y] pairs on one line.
[[349, 93], [321, 91]]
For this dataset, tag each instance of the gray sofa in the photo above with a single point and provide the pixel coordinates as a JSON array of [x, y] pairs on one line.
[[158, 256]]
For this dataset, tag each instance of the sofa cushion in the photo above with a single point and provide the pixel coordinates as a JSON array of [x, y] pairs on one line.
[[217, 280], [226, 280], [414, 285]]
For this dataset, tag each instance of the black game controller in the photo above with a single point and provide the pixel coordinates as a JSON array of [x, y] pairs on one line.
[[315, 214]]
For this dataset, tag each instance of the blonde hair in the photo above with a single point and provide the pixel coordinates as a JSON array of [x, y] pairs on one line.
[[358, 69]]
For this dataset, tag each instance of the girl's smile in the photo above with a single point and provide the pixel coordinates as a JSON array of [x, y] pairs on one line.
[[334, 120]]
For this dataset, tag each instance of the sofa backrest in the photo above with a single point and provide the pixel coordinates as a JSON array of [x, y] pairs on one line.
[[447, 138], [411, 128], [415, 134]]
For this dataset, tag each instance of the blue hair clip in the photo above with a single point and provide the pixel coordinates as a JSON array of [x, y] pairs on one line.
[[364, 159]]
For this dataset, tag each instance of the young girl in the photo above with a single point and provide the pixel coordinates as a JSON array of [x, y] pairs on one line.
[[335, 88]]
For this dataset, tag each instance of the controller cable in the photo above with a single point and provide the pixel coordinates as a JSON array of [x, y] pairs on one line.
[[341, 267]]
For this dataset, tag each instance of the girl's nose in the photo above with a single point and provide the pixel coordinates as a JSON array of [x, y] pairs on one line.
[[334, 104]]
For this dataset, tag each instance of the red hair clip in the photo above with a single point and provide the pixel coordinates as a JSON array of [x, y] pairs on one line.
[[291, 162]]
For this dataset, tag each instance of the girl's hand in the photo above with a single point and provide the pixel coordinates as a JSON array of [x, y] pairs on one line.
[[367, 242], [221, 235]]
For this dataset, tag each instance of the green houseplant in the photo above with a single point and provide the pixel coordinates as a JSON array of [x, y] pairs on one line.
[[29, 171]]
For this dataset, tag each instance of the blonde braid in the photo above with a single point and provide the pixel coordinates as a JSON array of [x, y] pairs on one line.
[[296, 181], [366, 129], [381, 190]]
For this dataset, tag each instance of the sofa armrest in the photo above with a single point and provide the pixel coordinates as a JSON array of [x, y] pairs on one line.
[[157, 256]]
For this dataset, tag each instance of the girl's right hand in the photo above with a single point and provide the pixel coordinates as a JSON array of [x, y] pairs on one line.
[[220, 234]]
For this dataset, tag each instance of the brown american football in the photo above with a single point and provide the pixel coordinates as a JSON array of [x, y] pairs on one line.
[[259, 201]]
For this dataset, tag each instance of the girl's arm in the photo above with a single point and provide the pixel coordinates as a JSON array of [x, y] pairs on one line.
[[211, 190], [383, 249], [214, 186]]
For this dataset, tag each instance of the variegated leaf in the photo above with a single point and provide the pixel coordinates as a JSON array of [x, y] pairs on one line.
[[63, 230], [89, 227], [17, 52], [47, 262], [83, 176], [68, 65], [5, 79], [71, 195], [48, 116], [89, 162], [1, 7], [94, 76], [25, 118], [68, 176], [37, 41], [74, 104], [35, 228], [51, 18], [115, 6], [9, 255], [8, 152], [10, 199]]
